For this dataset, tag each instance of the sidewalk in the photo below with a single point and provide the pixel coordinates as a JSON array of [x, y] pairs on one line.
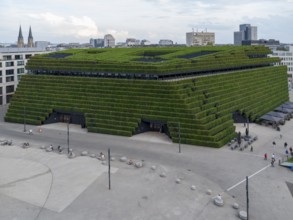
[[46, 179]]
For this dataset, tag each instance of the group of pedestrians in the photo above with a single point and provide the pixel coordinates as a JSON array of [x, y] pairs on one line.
[[288, 152], [273, 159]]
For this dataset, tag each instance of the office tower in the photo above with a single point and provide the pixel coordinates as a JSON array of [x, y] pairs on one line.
[[246, 33]]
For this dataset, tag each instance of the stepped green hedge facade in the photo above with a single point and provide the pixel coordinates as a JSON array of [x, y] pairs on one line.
[[203, 105]]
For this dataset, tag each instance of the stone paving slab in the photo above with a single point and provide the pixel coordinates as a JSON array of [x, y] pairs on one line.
[[152, 137], [63, 126], [46, 179], [36, 175], [290, 187]]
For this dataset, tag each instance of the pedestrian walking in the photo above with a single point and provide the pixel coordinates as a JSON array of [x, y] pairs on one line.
[[273, 156], [265, 156], [286, 152], [285, 144], [246, 132], [272, 162]]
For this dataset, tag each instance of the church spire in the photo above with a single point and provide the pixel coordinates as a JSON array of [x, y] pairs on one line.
[[20, 33], [20, 42], [30, 42], [30, 33]]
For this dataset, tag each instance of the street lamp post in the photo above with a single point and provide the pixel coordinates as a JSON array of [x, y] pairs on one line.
[[247, 120], [109, 168], [68, 136], [247, 199], [24, 120], [179, 137]]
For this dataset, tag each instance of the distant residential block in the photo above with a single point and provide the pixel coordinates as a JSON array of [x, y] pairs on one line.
[[165, 42], [286, 56], [42, 44], [12, 67], [145, 42], [132, 42]]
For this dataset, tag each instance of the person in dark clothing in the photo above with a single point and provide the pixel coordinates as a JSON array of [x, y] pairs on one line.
[[273, 161]]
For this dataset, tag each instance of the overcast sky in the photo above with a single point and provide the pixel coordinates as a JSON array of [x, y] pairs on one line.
[[79, 20]]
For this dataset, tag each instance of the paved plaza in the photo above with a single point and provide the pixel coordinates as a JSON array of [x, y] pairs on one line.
[[35, 184]]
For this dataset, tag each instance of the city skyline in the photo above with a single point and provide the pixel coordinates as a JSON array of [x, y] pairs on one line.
[[67, 21]]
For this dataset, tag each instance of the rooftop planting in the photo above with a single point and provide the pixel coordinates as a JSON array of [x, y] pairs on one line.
[[153, 61]]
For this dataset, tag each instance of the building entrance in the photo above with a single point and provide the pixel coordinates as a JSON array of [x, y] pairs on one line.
[[66, 117], [152, 125]]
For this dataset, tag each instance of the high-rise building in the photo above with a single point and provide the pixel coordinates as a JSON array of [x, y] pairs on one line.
[[200, 38], [238, 37], [20, 42], [109, 41], [246, 33], [92, 42], [99, 42], [252, 33], [244, 29]]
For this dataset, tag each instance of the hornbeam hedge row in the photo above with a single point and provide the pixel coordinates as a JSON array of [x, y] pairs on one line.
[[203, 105]]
